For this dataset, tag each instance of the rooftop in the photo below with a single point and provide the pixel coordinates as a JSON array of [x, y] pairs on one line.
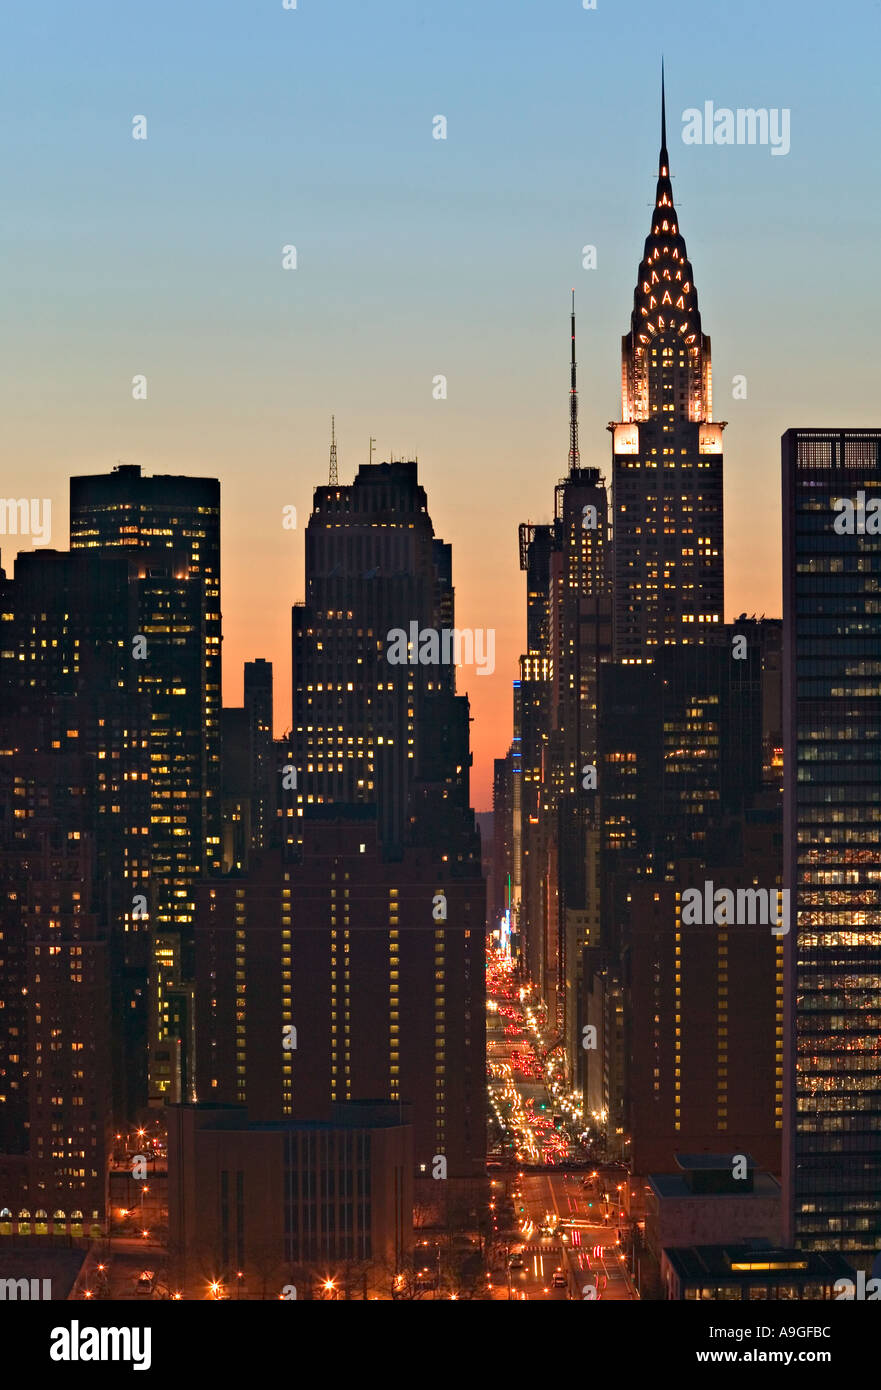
[[670, 1185], [696, 1263]]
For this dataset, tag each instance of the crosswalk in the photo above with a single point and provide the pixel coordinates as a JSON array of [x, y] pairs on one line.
[[550, 1248]]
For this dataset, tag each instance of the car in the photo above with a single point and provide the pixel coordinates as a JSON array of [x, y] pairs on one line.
[[145, 1284], [559, 1280], [515, 1262]]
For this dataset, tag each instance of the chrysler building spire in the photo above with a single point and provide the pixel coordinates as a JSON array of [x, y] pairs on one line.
[[665, 326], [664, 161], [667, 453]]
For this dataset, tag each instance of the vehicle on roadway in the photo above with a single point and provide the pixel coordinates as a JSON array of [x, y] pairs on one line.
[[516, 1261], [146, 1280], [559, 1280]]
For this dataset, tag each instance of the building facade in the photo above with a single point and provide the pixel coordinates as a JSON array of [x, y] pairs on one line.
[[344, 975], [55, 1082], [832, 826], [70, 686], [171, 528], [287, 1208]]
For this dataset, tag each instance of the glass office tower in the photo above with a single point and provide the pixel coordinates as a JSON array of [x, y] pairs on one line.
[[832, 772]]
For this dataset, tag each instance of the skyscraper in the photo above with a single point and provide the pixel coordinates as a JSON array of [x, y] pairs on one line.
[[667, 452], [258, 708], [528, 792], [55, 1091], [249, 775], [344, 949], [581, 639], [832, 826], [367, 729], [568, 636], [682, 802], [68, 678], [680, 747], [386, 739], [172, 527]]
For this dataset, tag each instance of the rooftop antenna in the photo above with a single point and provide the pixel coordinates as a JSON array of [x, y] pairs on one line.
[[334, 475], [574, 457], [372, 447]]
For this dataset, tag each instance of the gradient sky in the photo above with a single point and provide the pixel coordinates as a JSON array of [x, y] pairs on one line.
[[417, 257]]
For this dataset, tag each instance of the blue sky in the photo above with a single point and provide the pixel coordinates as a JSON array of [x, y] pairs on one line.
[[418, 257]]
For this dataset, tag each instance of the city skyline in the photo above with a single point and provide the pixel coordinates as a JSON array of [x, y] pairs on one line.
[[246, 363], [443, 864]]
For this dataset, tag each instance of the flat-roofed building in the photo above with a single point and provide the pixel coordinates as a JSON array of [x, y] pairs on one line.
[[832, 828]]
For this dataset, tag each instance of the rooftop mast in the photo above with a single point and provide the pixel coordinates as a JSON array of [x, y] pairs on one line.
[[574, 457], [334, 475]]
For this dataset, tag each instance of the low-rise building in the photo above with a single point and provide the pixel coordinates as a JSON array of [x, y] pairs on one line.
[[290, 1204], [751, 1271]]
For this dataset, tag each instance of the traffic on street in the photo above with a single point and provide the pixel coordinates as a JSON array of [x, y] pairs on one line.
[[556, 1226]]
